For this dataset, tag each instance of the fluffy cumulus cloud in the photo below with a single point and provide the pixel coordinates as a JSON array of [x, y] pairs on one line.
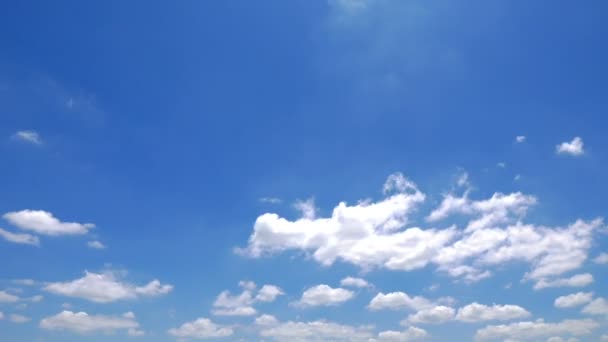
[[324, 295], [25, 239], [44, 223], [227, 304], [28, 136], [378, 235], [476, 312], [202, 328], [573, 148], [83, 323], [105, 288], [520, 138], [535, 330], [354, 282], [268, 293], [573, 300], [403, 301], [598, 306], [435, 315]]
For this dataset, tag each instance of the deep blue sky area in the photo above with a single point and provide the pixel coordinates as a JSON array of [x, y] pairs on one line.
[[155, 154]]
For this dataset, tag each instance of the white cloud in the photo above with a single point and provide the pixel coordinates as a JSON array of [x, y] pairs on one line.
[[520, 138], [238, 305], [398, 301], [604, 338], [105, 288], [376, 235], [96, 245], [601, 259], [572, 300], [579, 280], [227, 304], [324, 295], [435, 315], [28, 136], [44, 223], [19, 319], [201, 328], [6, 297], [36, 299], [354, 282], [598, 306], [502, 165], [316, 331], [526, 331], [25, 239], [410, 334], [476, 312], [83, 323], [1, 315], [306, 208], [266, 320], [268, 293], [573, 148]]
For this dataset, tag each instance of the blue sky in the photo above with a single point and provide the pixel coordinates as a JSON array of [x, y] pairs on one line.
[[332, 170]]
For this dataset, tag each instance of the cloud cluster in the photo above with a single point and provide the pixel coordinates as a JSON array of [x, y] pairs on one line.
[[378, 235], [106, 287], [227, 304], [534, 330], [82, 323]]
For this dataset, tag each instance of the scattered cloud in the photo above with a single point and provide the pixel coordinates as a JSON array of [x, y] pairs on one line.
[[435, 315], [354, 282], [28, 136], [533, 330], [268, 293], [201, 328], [266, 320], [25, 239], [476, 312], [44, 223], [83, 323], [399, 301], [316, 331], [106, 288], [520, 138], [598, 306], [601, 259], [573, 148], [96, 245], [19, 319], [410, 334], [573, 300], [579, 280], [324, 295], [227, 304], [502, 165], [26, 282], [6, 297]]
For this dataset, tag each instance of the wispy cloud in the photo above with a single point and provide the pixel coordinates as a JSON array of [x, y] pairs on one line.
[[28, 136]]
